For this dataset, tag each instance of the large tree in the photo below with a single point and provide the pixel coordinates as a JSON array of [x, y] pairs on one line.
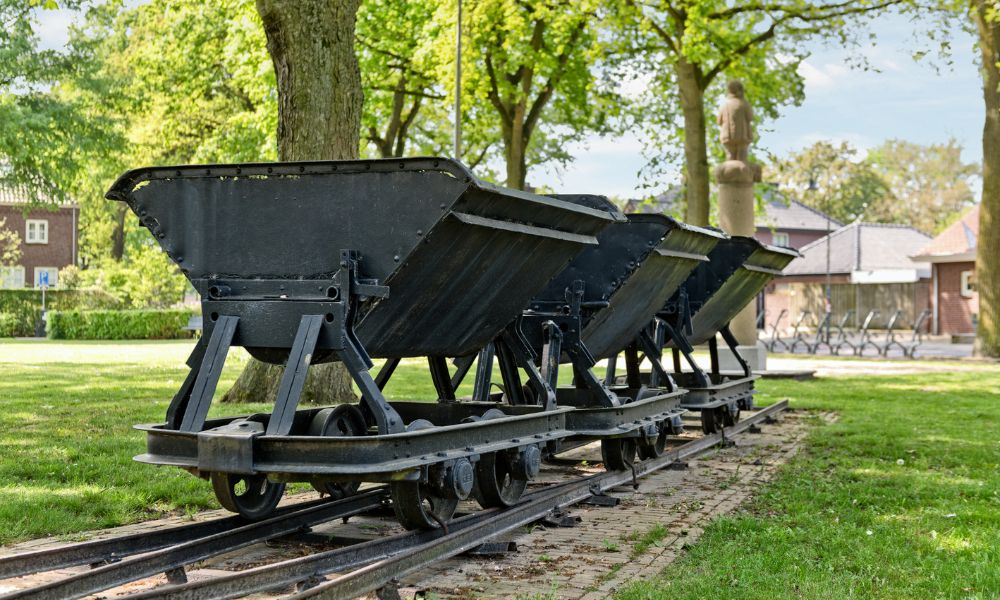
[[400, 72], [685, 47], [319, 118], [930, 185], [531, 68], [924, 186], [842, 185], [987, 20]]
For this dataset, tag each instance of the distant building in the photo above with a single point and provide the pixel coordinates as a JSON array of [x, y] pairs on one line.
[[48, 238], [870, 268], [790, 223], [668, 203], [952, 256]]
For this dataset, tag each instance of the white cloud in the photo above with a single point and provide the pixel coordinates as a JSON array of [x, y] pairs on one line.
[[823, 77]]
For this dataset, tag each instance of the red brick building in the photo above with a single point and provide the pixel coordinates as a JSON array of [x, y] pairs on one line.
[[48, 239], [952, 254], [870, 269], [789, 223]]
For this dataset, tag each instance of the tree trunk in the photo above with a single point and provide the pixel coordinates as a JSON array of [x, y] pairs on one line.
[[515, 144], [118, 233], [319, 117], [696, 174], [988, 244]]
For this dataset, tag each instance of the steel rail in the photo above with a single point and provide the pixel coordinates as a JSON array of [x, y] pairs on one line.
[[114, 549], [381, 560], [167, 559], [378, 574]]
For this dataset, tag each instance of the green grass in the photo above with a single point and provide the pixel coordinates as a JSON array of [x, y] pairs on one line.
[[66, 437], [66, 444], [898, 499]]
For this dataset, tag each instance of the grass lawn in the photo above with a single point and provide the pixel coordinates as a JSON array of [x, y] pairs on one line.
[[846, 518], [899, 499], [66, 437]]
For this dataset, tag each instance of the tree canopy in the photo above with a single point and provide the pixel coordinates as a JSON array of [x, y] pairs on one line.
[[927, 187]]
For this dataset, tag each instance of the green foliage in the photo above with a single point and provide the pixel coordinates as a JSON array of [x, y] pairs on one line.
[[8, 325], [118, 324], [531, 74], [897, 499], [930, 185], [926, 187], [10, 245], [146, 279], [24, 306], [401, 71], [846, 186]]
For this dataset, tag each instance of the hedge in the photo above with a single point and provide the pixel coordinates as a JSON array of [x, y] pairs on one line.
[[8, 325], [118, 324], [25, 305]]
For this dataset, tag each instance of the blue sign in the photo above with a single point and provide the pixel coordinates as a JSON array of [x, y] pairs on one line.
[[43, 278]]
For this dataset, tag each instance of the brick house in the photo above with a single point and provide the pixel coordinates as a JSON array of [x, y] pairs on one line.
[[790, 223], [952, 255], [870, 268], [48, 238]]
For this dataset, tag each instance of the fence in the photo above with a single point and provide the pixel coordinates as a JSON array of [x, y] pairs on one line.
[[911, 298]]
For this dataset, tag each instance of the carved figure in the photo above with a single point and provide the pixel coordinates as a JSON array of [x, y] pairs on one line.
[[736, 123]]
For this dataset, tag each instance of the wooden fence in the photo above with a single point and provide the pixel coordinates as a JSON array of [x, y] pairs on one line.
[[911, 298]]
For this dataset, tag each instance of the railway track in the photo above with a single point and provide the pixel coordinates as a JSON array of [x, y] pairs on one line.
[[341, 573]]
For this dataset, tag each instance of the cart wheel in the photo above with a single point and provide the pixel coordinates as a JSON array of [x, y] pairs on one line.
[[730, 416], [496, 484], [653, 448], [252, 496], [618, 454], [709, 424], [417, 507], [341, 421]]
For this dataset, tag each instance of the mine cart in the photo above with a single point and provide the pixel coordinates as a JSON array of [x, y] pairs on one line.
[[305, 263], [715, 292], [600, 304]]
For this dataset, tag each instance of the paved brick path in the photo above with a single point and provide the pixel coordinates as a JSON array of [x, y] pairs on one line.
[[603, 552], [588, 561]]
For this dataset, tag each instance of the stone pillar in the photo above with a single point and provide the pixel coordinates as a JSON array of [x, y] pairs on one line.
[[736, 177], [736, 208]]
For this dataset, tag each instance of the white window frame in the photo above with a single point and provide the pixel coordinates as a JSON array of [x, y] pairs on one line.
[[780, 238], [10, 276], [967, 287], [41, 235], [53, 276]]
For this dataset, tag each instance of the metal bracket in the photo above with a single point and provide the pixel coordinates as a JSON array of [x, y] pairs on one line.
[[228, 449], [294, 377], [207, 379]]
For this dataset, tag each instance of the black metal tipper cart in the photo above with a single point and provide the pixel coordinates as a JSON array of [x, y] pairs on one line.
[[302, 263], [594, 308], [737, 270]]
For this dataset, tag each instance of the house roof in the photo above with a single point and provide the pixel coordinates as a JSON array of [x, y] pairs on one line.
[[862, 247], [19, 195], [781, 212], [666, 203], [957, 242]]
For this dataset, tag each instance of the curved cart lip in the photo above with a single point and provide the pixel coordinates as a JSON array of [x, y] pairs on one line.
[[127, 182]]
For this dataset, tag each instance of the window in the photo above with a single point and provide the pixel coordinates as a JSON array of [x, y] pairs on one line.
[[968, 286], [37, 232], [780, 239], [11, 277]]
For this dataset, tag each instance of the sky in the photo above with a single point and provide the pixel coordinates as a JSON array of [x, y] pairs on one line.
[[903, 99], [920, 101]]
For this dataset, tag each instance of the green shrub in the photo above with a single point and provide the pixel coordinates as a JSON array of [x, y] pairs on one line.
[[118, 324], [26, 304], [8, 325]]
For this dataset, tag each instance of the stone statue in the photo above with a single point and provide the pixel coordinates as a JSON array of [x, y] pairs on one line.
[[736, 122]]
